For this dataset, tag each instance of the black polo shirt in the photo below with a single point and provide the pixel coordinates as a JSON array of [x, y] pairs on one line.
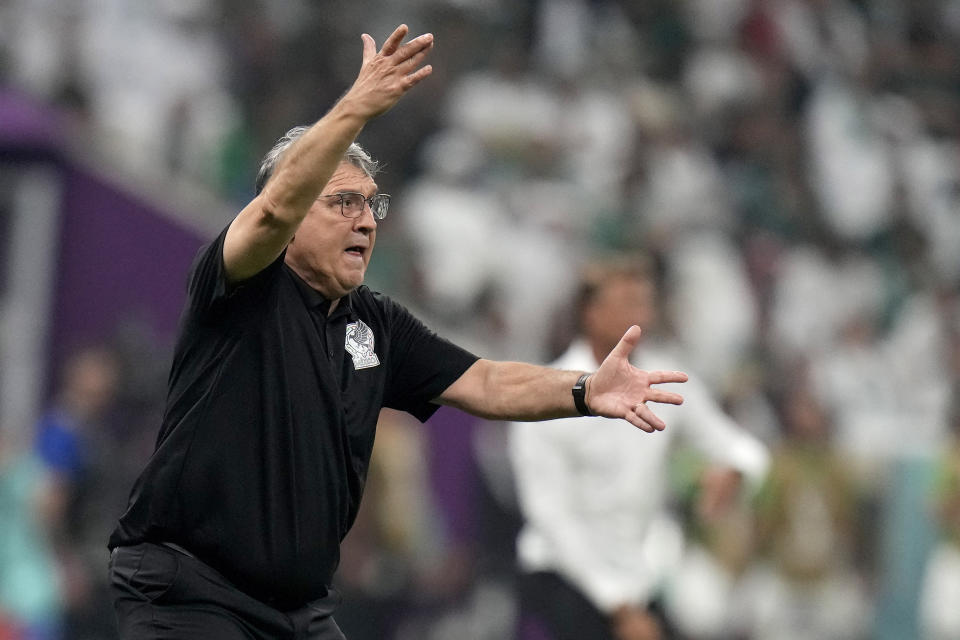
[[269, 424]]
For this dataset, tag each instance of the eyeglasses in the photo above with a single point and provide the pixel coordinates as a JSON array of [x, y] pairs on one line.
[[352, 204]]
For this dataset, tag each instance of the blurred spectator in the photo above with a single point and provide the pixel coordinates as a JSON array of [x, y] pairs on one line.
[[63, 434], [709, 594], [810, 530], [598, 541], [77, 448], [713, 303], [30, 592], [939, 615]]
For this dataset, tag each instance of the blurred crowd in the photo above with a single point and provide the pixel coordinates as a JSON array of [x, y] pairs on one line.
[[792, 167]]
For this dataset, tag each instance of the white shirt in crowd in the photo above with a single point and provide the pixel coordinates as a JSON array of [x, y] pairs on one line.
[[592, 491]]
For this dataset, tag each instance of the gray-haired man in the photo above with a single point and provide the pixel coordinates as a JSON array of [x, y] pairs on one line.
[[282, 365]]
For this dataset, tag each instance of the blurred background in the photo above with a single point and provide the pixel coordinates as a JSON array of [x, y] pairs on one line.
[[792, 167]]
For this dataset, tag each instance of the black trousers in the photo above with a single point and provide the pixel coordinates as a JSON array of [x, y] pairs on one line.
[[163, 594], [566, 613], [561, 608]]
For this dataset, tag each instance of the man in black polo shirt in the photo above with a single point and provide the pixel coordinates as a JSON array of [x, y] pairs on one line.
[[283, 363]]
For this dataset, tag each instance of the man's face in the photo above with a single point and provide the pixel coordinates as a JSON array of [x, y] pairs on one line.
[[329, 250], [621, 302]]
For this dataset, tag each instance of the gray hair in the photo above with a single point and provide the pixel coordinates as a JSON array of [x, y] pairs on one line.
[[355, 155]]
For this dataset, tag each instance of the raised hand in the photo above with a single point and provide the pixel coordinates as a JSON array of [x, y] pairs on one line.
[[634, 623], [620, 390], [385, 76]]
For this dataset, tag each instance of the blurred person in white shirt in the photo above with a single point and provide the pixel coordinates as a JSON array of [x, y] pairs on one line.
[[598, 540]]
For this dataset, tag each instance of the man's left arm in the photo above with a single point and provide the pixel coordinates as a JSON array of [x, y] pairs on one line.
[[728, 446], [524, 392]]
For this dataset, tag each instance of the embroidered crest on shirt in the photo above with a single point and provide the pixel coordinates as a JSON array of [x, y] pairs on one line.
[[359, 344]]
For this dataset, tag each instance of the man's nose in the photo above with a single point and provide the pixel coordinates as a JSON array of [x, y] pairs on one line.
[[366, 221]]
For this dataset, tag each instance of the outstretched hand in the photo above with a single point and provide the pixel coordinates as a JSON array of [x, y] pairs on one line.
[[620, 390], [385, 76]]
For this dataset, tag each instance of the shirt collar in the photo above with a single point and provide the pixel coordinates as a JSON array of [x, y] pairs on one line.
[[315, 300]]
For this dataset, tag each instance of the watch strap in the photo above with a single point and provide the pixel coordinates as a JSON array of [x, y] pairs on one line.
[[579, 392]]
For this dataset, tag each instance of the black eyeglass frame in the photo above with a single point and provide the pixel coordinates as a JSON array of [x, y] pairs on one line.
[[373, 202]]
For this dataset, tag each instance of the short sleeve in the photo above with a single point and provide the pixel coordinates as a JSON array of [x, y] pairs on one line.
[[422, 364], [209, 294]]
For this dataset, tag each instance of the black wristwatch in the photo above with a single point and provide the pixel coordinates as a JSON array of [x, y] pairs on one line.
[[579, 392]]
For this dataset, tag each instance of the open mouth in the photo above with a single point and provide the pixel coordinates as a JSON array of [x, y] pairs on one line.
[[355, 251]]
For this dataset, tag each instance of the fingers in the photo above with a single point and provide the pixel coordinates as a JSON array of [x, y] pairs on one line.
[[638, 422], [418, 75], [414, 61], [627, 343], [392, 44], [385, 76], [417, 49], [643, 418], [393, 41], [664, 397], [649, 417], [369, 47], [408, 57], [660, 377], [415, 46]]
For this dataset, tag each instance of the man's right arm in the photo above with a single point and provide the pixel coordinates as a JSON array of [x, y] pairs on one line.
[[264, 227]]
